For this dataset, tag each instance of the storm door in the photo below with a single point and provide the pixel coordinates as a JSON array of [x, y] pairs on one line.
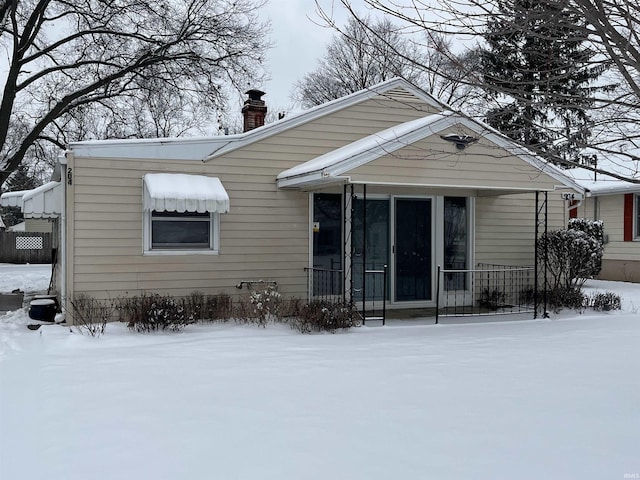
[[413, 252], [370, 246]]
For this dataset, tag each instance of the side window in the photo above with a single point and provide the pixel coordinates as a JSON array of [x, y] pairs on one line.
[[188, 231]]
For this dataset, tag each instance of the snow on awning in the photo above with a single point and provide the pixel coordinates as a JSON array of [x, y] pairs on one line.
[[43, 202], [179, 192], [12, 199]]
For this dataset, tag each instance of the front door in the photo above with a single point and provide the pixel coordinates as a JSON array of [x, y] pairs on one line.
[[413, 262]]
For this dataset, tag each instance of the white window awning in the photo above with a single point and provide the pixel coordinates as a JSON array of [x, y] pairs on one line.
[[44, 201], [180, 192], [12, 199]]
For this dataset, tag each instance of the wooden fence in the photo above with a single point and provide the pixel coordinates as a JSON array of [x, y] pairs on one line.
[[25, 247]]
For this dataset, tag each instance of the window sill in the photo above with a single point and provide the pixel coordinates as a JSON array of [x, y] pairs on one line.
[[160, 253]]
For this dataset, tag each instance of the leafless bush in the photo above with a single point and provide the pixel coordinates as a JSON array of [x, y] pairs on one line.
[[91, 315], [323, 316]]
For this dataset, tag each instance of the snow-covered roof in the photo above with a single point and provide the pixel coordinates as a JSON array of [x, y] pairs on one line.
[[206, 148], [237, 141], [179, 192], [18, 227], [601, 184], [330, 166]]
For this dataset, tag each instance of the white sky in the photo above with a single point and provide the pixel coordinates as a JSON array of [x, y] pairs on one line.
[[298, 43]]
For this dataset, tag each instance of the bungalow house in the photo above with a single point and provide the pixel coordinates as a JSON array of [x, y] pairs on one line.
[[317, 204], [617, 203]]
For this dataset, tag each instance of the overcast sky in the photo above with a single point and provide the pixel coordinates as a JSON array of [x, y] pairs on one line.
[[298, 43]]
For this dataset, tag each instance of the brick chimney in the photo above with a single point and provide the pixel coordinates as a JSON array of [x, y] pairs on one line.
[[254, 110]]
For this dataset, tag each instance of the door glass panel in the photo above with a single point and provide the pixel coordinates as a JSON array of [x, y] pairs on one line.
[[327, 244], [456, 244], [376, 255], [413, 249]]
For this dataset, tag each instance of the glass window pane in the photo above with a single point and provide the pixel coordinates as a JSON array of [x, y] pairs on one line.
[[455, 242], [175, 230]]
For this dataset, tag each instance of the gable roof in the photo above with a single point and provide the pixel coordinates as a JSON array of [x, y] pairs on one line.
[[234, 142], [207, 148], [331, 166]]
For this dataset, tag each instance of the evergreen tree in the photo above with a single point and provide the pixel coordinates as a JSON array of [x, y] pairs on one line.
[[539, 69]]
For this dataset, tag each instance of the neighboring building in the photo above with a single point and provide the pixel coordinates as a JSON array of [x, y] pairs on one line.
[[617, 203]]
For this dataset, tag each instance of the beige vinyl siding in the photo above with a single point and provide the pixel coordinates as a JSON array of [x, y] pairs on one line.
[[265, 236], [434, 161], [505, 227], [610, 209]]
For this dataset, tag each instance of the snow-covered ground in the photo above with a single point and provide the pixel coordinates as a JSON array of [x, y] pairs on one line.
[[556, 398]]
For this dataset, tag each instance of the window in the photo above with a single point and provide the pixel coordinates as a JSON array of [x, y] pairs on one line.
[[182, 213], [188, 231], [456, 242]]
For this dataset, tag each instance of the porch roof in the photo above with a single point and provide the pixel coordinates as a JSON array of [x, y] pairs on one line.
[[335, 166]]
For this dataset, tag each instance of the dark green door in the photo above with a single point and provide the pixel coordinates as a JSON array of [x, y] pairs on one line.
[[413, 262]]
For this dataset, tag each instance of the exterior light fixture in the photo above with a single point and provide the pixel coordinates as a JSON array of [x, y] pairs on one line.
[[461, 141]]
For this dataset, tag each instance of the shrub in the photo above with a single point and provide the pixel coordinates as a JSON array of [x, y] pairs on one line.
[[266, 305], [155, 312], [573, 255], [91, 315], [563, 297], [210, 308], [606, 301], [323, 316], [492, 299]]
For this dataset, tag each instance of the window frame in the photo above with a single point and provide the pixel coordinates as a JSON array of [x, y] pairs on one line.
[[211, 249], [636, 219]]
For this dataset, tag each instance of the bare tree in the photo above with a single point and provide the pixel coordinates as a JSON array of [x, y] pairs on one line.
[[365, 52], [611, 28], [74, 60]]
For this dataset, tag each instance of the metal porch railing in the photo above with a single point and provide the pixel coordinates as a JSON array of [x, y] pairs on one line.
[[490, 289]]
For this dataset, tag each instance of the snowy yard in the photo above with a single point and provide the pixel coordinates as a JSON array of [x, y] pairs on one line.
[[555, 399]]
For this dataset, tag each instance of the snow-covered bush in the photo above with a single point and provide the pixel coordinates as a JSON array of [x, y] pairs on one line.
[[266, 305], [573, 255], [155, 312]]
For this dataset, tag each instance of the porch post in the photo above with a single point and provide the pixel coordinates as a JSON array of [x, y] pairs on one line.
[[542, 209], [364, 252], [347, 249]]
